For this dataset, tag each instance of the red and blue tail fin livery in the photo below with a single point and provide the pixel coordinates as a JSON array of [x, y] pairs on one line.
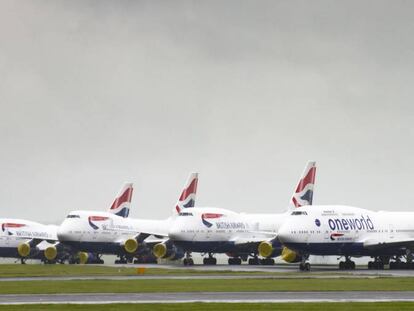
[[303, 194], [122, 201], [188, 195]]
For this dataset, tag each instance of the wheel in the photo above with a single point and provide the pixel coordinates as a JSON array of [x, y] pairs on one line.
[[268, 261], [210, 261], [254, 261], [352, 265], [230, 261], [307, 266], [370, 265], [342, 265], [237, 261], [185, 262], [301, 267], [190, 261]]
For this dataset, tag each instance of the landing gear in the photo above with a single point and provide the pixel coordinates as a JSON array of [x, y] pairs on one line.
[[254, 261], [235, 261], [210, 260], [304, 264], [23, 261], [121, 260], [188, 261], [400, 265], [377, 264], [267, 262], [348, 264]]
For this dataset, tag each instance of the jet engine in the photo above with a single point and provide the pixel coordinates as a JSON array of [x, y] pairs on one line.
[[290, 256], [50, 253], [267, 250], [168, 251], [23, 249], [130, 245], [85, 258]]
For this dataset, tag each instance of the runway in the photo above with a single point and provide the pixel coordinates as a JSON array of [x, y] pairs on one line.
[[227, 297]]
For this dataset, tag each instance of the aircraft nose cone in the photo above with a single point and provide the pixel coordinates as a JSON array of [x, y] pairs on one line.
[[174, 233], [62, 233], [284, 234]]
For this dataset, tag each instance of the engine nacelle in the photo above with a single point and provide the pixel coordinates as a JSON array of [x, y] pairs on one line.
[[50, 253], [267, 250], [163, 250], [290, 256], [85, 258], [23, 249], [130, 246]]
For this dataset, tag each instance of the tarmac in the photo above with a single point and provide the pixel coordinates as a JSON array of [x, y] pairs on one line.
[[227, 297]]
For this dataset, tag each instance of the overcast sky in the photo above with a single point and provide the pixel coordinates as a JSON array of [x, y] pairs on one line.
[[95, 93]]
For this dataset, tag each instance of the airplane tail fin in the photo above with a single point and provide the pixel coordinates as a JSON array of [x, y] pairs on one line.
[[122, 201], [303, 194], [188, 195]]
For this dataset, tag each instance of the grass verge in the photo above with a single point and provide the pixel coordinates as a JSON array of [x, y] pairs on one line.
[[364, 306], [205, 285]]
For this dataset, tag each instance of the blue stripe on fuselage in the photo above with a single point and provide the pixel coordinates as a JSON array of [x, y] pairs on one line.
[[217, 247], [348, 248]]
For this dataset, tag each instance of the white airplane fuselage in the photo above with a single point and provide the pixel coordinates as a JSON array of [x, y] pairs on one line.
[[217, 230], [103, 232], [346, 230], [16, 231]]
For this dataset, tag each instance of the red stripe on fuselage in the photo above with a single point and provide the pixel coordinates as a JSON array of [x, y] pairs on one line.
[[98, 218], [12, 225], [211, 215]]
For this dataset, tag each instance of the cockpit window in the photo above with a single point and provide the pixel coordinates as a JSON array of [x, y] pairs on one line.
[[73, 216], [185, 214], [295, 213]]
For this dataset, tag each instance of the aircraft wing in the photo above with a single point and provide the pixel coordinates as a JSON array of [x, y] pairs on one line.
[[252, 241]]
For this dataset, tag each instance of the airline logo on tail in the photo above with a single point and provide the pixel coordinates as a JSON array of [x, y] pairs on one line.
[[304, 191], [122, 201], [188, 195], [93, 219]]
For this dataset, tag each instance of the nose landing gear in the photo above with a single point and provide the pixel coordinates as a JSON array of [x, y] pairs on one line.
[[304, 264], [188, 261]]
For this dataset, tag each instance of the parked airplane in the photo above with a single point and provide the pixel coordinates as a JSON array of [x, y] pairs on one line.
[[107, 233], [31, 240], [240, 235], [350, 232], [25, 239]]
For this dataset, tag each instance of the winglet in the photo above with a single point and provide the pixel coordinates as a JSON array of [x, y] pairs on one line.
[[303, 194], [122, 201], [188, 195]]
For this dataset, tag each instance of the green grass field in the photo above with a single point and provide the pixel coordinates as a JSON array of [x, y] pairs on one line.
[[17, 270], [208, 285], [34, 270], [372, 306]]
